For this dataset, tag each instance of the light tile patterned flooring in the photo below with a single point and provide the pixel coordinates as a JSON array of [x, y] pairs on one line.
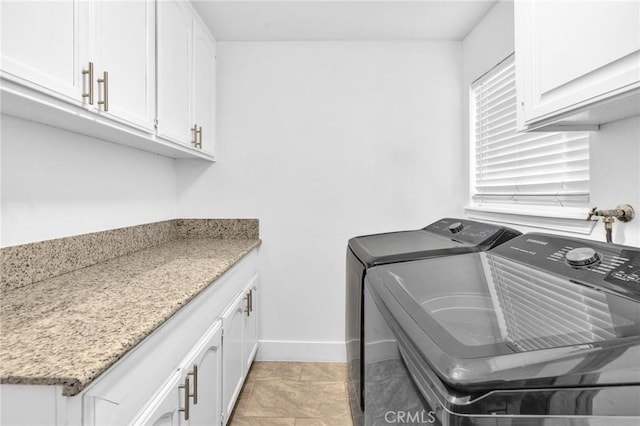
[[294, 394]]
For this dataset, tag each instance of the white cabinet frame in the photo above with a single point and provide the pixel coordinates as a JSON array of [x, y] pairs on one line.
[[577, 63]]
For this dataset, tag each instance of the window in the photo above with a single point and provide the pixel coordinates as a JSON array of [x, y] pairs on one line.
[[522, 172]]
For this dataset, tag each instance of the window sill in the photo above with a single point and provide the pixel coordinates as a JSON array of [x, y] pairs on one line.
[[565, 220]]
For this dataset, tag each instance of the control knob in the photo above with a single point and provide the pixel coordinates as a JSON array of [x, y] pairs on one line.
[[456, 227], [582, 256]]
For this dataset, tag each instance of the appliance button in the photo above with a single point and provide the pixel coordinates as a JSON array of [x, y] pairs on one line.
[[456, 227], [582, 256]]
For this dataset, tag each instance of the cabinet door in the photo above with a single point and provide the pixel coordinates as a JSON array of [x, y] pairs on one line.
[[204, 85], [41, 45], [232, 359], [174, 71], [203, 404], [124, 47], [163, 409], [574, 53], [207, 408], [250, 341]]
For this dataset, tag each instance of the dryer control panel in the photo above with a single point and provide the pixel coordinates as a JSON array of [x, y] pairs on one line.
[[606, 266], [471, 232]]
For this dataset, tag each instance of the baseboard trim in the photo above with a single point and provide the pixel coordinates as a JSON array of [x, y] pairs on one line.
[[286, 350]]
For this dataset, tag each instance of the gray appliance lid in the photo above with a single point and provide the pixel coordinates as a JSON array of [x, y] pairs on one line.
[[383, 245], [485, 305], [445, 236], [483, 318]]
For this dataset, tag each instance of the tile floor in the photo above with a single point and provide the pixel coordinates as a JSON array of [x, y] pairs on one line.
[[293, 394]]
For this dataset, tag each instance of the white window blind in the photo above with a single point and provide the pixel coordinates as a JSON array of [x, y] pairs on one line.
[[539, 169]]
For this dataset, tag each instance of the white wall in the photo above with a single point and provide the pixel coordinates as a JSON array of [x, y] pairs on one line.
[[614, 150], [57, 183], [323, 141]]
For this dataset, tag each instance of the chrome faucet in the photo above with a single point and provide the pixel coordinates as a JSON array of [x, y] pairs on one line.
[[622, 212]]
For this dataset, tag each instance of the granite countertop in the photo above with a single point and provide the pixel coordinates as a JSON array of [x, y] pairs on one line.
[[68, 329]]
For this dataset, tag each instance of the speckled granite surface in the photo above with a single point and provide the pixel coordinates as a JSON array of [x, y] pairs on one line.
[[217, 228], [68, 329], [28, 263]]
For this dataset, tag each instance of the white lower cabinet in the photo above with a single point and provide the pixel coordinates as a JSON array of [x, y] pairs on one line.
[[163, 409], [239, 322], [192, 394], [203, 350], [250, 332], [233, 365], [206, 372]]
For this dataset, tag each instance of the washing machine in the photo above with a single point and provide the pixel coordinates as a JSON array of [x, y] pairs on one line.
[[447, 236], [541, 330]]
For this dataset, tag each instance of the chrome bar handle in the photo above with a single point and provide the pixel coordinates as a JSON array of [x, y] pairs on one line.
[[186, 387], [105, 81], [194, 130], [90, 93], [199, 137], [194, 374]]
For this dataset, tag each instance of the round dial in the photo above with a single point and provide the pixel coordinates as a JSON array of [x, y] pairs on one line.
[[456, 227], [582, 256]]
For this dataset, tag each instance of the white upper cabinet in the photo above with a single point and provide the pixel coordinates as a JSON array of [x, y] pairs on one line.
[[577, 62], [94, 53], [174, 71], [186, 77], [40, 45], [124, 52], [204, 86], [109, 69]]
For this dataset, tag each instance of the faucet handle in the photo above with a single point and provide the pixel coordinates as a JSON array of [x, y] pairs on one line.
[[622, 212], [627, 212]]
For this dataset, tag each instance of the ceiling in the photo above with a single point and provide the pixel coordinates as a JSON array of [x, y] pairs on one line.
[[292, 20]]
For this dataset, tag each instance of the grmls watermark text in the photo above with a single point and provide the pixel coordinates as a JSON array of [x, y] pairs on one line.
[[409, 417]]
